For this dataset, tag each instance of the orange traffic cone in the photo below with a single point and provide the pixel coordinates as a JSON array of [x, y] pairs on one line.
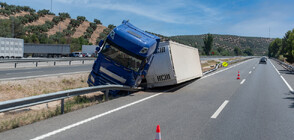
[[158, 135], [238, 75]]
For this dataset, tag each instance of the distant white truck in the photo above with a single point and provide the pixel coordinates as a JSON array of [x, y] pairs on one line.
[[11, 48], [89, 50], [173, 64]]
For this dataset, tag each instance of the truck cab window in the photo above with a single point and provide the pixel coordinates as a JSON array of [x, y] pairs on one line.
[[121, 57]]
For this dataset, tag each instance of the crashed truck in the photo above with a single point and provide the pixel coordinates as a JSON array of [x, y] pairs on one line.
[[129, 55]]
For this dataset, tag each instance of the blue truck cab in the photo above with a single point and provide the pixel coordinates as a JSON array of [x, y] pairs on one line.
[[123, 57]]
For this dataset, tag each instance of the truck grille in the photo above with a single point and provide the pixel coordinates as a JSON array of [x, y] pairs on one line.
[[104, 80]]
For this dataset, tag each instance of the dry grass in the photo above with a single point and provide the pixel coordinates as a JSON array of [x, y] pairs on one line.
[[23, 88], [22, 13], [41, 20], [13, 120], [81, 29], [96, 33], [59, 27], [208, 65]]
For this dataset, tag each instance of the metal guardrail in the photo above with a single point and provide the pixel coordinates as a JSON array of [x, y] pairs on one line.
[[220, 65], [284, 65], [36, 61], [61, 95]]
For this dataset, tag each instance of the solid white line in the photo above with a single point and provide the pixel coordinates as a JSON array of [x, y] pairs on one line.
[[92, 118], [219, 110], [122, 107], [290, 88], [249, 72], [37, 76], [242, 81]]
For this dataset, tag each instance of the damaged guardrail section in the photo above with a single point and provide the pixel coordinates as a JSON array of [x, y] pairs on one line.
[[61, 95]]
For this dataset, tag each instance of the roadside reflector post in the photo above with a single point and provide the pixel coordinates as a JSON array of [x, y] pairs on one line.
[[15, 65], [36, 64], [106, 95], [54, 63], [69, 62], [83, 61], [62, 106]]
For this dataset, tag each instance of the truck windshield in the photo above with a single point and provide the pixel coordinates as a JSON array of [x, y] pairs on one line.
[[120, 56]]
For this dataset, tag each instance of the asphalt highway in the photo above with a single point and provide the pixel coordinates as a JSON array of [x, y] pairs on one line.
[[24, 73], [217, 106]]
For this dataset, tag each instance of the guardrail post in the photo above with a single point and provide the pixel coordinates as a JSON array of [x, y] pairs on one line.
[[69, 62], [36, 64], [83, 61], [54, 63], [62, 106], [15, 65], [106, 95]]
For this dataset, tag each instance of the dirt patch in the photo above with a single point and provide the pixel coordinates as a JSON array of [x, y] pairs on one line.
[[96, 33], [81, 29], [59, 27], [22, 13], [24, 88], [42, 20], [16, 119]]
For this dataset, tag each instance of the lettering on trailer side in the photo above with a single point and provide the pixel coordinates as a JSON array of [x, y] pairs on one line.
[[163, 77], [161, 50]]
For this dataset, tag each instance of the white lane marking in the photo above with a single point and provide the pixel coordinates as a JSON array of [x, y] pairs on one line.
[[249, 72], [97, 116], [22, 72], [219, 110], [37, 76], [290, 88], [120, 108], [242, 81]]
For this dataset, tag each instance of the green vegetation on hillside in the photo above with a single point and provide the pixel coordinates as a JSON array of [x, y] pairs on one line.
[[14, 27], [225, 44]]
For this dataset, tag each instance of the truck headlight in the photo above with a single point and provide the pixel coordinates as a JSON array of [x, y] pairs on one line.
[[92, 78]]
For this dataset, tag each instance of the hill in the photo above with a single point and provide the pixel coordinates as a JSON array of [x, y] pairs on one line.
[[45, 27], [227, 43]]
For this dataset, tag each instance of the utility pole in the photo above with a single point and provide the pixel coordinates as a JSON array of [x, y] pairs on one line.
[[51, 6], [12, 28]]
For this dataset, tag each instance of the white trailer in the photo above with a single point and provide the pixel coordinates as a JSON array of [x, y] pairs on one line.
[[11, 48], [90, 49], [173, 63]]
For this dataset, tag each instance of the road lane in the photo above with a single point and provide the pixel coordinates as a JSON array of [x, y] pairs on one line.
[[14, 74], [260, 109], [183, 114]]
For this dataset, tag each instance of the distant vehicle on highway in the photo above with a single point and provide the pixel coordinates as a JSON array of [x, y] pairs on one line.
[[87, 55], [263, 60], [11, 48], [76, 54]]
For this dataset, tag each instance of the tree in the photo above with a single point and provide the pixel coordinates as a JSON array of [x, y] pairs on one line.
[[237, 51], [81, 19], [248, 51], [97, 21], [11, 27], [274, 47], [111, 26], [208, 41], [288, 46]]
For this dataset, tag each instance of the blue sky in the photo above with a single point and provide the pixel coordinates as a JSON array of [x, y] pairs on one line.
[[182, 17]]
